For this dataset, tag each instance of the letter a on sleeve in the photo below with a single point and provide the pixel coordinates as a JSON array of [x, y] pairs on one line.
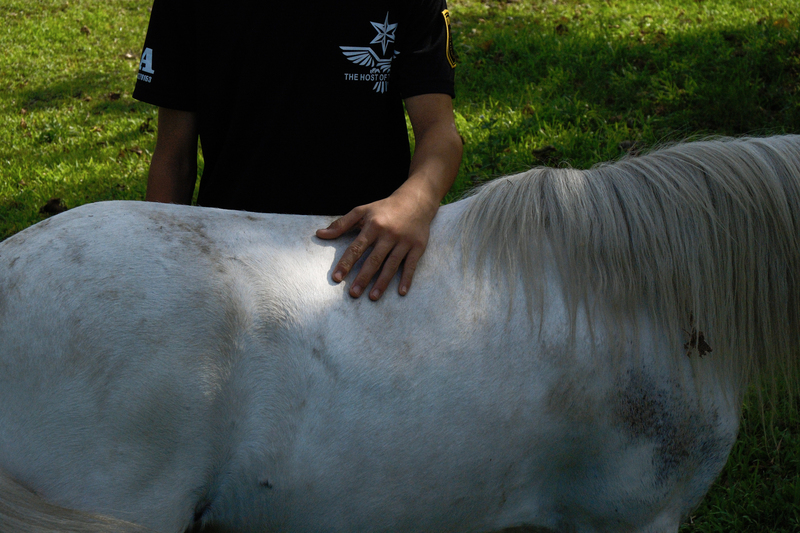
[[167, 70]]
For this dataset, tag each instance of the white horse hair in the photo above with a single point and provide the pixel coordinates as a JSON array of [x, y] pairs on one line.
[[704, 235], [572, 357]]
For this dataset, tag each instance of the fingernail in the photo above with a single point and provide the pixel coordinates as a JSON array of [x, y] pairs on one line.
[[375, 294], [337, 276], [356, 290], [403, 290]]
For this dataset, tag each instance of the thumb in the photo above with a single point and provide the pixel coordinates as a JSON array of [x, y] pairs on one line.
[[340, 225]]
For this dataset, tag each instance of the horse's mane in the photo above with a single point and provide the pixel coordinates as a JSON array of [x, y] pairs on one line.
[[703, 235]]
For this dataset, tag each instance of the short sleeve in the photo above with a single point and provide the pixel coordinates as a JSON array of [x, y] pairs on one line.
[[167, 69], [425, 63]]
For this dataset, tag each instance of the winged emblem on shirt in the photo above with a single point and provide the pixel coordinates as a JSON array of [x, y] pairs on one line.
[[365, 56]]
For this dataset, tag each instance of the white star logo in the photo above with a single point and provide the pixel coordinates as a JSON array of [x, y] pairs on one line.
[[385, 32]]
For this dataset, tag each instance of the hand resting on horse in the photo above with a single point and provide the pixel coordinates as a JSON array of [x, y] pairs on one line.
[[398, 227]]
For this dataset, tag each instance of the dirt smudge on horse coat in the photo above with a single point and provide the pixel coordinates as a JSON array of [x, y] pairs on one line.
[[190, 232], [320, 354], [683, 435]]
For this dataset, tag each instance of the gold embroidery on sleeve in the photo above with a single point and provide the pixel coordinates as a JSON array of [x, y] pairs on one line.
[[450, 52]]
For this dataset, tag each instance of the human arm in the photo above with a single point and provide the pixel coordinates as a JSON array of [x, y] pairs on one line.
[[397, 227], [173, 169]]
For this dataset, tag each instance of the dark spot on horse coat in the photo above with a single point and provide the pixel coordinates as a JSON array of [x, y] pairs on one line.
[[319, 354], [684, 436], [75, 255], [200, 511], [190, 232], [697, 341], [702, 346]]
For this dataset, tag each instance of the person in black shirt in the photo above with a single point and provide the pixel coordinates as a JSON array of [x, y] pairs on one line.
[[299, 109]]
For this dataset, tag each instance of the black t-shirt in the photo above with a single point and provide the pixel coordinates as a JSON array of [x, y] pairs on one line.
[[299, 104]]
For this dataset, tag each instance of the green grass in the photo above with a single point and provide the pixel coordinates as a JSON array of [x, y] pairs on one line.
[[68, 126], [553, 82], [539, 82]]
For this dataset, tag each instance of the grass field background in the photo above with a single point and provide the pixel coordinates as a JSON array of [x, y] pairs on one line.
[[538, 83]]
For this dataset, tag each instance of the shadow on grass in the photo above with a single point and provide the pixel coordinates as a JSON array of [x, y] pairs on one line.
[[82, 142], [581, 90], [93, 88]]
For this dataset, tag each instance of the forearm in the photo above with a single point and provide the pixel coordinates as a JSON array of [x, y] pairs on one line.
[[173, 169], [437, 152], [434, 165], [171, 180]]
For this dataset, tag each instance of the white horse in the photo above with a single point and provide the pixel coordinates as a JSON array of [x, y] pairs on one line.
[[572, 357]]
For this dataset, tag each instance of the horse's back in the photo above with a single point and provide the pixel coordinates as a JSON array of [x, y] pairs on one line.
[[172, 365], [119, 331]]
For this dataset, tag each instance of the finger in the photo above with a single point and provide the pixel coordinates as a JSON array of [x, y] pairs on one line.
[[371, 266], [341, 225], [390, 267], [409, 267], [352, 255]]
